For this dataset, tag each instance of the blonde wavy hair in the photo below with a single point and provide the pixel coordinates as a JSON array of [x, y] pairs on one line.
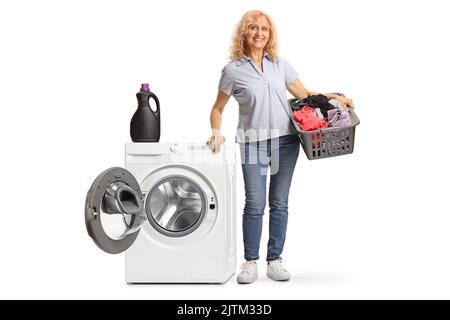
[[239, 47]]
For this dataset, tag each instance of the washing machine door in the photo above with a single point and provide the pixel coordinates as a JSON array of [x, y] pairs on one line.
[[114, 210]]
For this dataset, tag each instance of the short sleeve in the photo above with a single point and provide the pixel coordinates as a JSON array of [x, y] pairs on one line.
[[226, 83], [289, 72]]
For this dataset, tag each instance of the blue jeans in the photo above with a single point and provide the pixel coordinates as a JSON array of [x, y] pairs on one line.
[[280, 154]]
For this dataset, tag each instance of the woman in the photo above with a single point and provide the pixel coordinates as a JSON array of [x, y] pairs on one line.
[[258, 79]]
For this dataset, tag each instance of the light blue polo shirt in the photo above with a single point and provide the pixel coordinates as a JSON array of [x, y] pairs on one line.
[[261, 96]]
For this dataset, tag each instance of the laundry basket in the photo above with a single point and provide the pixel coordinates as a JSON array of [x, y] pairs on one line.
[[328, 142]]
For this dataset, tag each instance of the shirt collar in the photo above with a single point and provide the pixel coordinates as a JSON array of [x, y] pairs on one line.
[[247, 59]]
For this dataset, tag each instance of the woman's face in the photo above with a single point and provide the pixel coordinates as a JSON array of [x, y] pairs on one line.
[[258, 34]]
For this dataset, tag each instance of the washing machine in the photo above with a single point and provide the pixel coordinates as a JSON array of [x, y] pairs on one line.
[[172, 210]]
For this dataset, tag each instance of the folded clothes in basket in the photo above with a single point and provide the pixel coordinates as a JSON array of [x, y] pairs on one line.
[[298, 104], [308, 119], [319, 101], [338, 118], [332, 142], [337, 104]]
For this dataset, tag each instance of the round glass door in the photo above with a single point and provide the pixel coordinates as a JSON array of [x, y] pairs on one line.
[[175, 205], [118, 211], [114, 211]]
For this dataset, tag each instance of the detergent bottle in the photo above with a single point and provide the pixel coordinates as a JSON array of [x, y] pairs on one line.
[[145, 123]]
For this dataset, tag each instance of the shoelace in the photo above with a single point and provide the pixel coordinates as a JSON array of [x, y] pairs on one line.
[[245, 266], [277, 265]]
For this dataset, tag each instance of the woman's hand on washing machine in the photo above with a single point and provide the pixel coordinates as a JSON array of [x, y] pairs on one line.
[[215, 141]]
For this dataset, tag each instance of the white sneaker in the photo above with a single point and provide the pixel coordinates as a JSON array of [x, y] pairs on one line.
[[276, 271], [249, 272]]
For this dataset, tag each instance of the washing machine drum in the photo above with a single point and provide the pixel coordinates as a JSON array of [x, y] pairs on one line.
[[175, 205]]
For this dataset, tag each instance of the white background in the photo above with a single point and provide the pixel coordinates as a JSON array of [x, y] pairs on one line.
[[374, 224]]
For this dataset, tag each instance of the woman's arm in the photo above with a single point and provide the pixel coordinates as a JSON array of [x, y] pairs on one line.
[[298, 90], [216, 138]]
